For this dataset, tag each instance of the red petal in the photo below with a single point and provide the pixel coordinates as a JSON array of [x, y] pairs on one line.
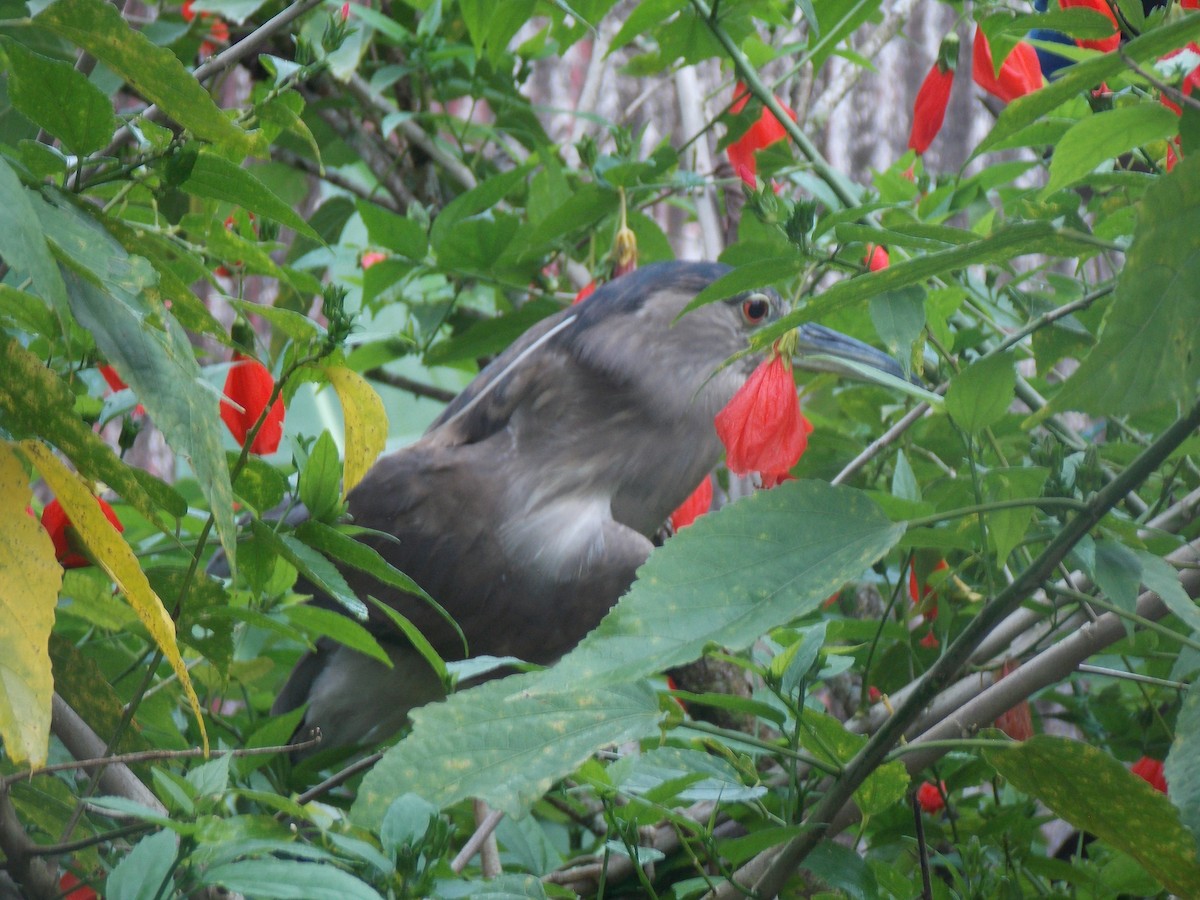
[[1106, 44], [1019, 75], [584, 292], [114, 380], [1017, 722], [930, 641], [250, 386], [697, 504], [930, 797], [1150, 771], [371, 258], [56, 523], [876, 258], [766, 131], [761, 426], [929, 110]]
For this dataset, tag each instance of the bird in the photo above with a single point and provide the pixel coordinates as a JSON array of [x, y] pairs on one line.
[[527, 507]]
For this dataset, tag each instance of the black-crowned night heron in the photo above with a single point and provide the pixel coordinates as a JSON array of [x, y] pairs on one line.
[[527, 507]]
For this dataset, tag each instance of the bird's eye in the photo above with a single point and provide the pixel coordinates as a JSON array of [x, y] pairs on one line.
[[755, 309]]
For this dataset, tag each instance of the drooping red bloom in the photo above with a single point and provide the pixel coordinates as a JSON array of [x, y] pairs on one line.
[[929, 110], [1017, 722], [763, 133], [697, 504], [919, 590], [876, 258], [115, 383], [74, 889], [930, 797], [584, 292], [218, 31], [762, 427], [1104, 44], [58, 526], [1019, 75], [249, 385], [371, 258], [930, 641], [1150, 771]]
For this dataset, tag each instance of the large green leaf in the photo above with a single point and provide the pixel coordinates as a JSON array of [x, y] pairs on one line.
[[729, 578], [216, 178], [288, 879], [154, 72], [1182, 769], [1094, 139], [22, 244], [501, 744], [1094, 792], [982, 392], [1149, 351], [147, 347], [60, 99]]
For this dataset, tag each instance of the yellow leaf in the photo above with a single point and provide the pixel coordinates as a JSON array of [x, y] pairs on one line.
[[366, 423], [115, 557], [30, 578]]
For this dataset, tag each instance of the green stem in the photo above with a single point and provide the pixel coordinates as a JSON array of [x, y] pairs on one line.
[[976, 509], [746, 73], [743, 738], [959, 652], [951, 744]]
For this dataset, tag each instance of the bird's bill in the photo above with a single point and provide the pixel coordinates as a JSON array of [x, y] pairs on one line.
[[821, 349]]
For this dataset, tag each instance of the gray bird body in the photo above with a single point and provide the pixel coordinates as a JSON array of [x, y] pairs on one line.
[[527, 507]]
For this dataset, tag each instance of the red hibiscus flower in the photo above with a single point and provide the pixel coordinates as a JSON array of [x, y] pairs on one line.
[[697, 504], [931, 797], [1105, 44], [56, 523], [1150, 771], [249, 385], [218, 31], [876, 258], [929, 110], [763, 133], [762, 427], [371, 258], [1019, 75], [584, 292]]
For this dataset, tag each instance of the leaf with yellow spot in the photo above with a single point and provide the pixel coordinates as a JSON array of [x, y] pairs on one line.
[[30, 578], [366, 423], [115, 557]]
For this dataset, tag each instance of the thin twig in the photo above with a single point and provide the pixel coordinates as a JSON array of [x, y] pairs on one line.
[[339, 777], [484, 830], [417, 388]]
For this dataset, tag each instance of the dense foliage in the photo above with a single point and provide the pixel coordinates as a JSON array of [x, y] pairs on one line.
[[222, 222]]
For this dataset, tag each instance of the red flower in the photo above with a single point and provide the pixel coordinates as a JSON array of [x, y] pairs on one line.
[[763, 133], [56, 523], [1017, 722], [249, 385], [930, 796], [584, 292], [919, 590], [115, 383], [930, 641], [345, 11], [697, 504], [876, 258], [873, 694], [371, 258], [218, 31], [1151, 772], [1019, 75], [1106, 44], [81, 891], [762, 427], [929, 110]]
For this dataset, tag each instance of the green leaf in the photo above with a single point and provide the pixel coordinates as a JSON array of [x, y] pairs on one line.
[[763, 273], [22, 244], [1182, 768], [344, 630], [152, 71], [899, 319], [1149, 351], [1007, 527], [60, 99], [1094, 792], [731, 577], [288, 880], [827, 738], [142, 872], [1118, 572], [321, 478], [216, 178], [399, 234], [503, 745], [312, 565], [981, 393], [1162, 578], [1081, 77], [1105, 135], [149, 350]]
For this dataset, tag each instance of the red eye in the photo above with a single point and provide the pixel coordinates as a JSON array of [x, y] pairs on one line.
[[755, 309]]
